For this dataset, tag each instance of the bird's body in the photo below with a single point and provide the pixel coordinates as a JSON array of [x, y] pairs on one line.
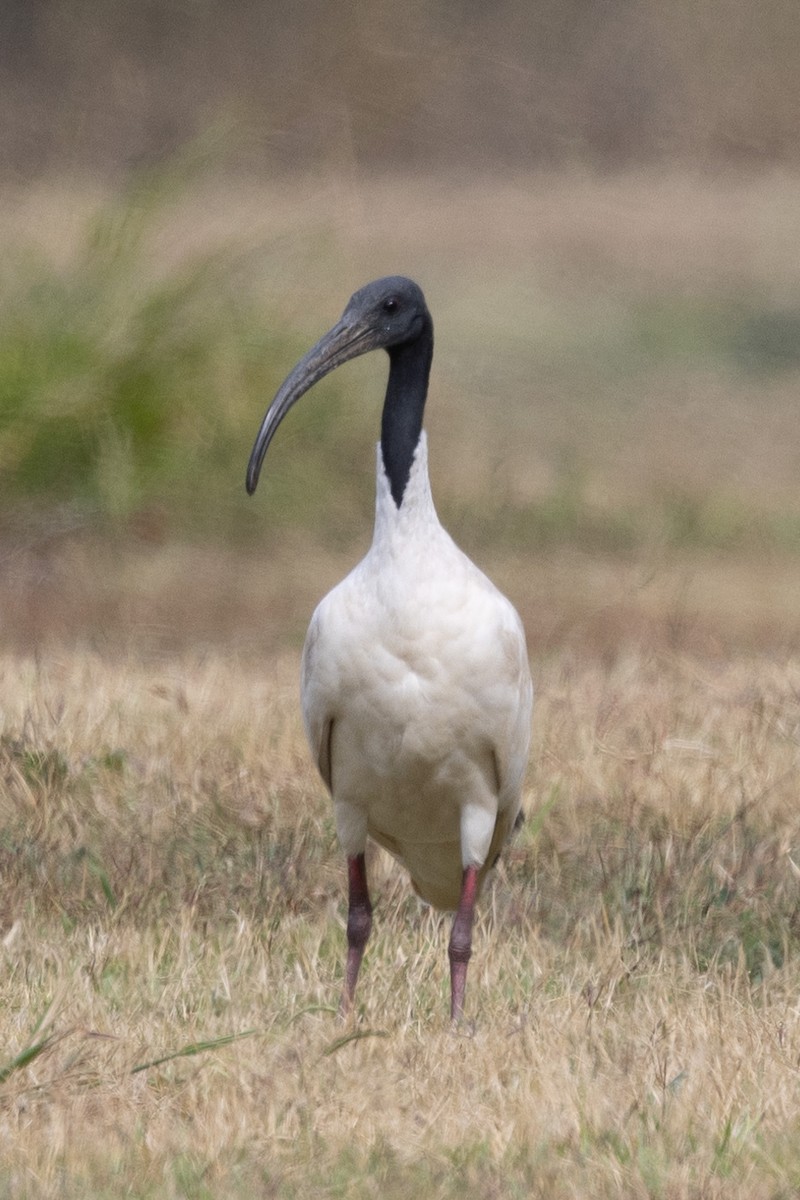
[[416, 698], [416, 689]]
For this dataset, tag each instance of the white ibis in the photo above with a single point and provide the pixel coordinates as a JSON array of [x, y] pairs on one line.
[[416, 688]]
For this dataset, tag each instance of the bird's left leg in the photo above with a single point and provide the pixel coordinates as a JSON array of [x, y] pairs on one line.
[[359, 924], [478, 818], [460, 947]]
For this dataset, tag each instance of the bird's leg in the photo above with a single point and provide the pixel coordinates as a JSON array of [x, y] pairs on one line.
[[460, 947], [359, 924]]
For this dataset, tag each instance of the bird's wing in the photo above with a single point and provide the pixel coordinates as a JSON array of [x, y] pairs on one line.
[[495, 673], [509, 700], [317, 710], [513, 735]]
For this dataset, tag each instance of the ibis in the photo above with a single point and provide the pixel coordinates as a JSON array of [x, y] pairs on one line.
[[416, 689]]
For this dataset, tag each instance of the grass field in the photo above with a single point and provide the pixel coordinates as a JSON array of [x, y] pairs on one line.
[[613, 436], [173, 929]]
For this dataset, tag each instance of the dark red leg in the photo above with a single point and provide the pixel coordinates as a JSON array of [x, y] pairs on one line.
[[359, 923], [460, 947]]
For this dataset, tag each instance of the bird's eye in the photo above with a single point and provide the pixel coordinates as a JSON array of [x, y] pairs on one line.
[[391, 305]]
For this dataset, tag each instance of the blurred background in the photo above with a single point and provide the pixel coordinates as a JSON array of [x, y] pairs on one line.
[[602, 203]]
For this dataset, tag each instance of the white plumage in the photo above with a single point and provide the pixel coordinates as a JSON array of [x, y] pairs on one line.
[[416, 697]]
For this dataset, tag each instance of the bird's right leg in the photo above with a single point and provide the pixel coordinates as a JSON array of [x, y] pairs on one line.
[[359, 924]]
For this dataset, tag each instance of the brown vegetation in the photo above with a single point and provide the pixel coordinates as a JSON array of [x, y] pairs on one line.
[[448, 86], [172, 925]]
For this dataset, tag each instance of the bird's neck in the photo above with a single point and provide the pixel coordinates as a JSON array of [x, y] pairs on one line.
[[413, 523], [403, 408]]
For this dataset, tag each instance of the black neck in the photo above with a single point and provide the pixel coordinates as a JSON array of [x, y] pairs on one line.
[[403, 408]]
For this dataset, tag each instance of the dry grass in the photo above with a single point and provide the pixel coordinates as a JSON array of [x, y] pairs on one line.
[[171, 883]]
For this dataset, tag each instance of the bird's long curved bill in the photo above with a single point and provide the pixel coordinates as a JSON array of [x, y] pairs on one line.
[[345, 341]]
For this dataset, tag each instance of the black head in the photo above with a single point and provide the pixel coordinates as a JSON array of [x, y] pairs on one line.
[[387, 314], [392, 308]]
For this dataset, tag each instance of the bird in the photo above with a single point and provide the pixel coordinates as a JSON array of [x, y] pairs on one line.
[[416, 688]]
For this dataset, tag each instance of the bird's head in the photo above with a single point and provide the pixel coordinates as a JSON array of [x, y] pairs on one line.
[[386, 314], [391, 312]]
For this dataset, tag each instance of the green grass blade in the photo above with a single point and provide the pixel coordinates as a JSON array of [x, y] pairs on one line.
[[24, 1057], [356, 1036], [195, 1048]]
